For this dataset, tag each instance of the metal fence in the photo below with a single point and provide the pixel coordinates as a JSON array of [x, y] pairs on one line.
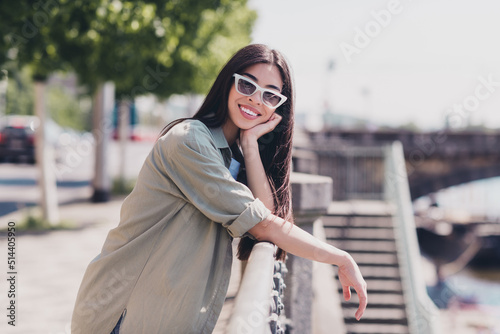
[[357, 172]]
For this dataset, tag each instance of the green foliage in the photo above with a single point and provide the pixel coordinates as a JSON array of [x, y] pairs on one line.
[[63, 106], [20, 93], [410, 126], [161, 47], [122, 186], [65, 110], [25, 31], [33, 222]]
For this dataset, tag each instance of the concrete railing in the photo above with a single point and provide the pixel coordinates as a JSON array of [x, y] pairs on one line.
[[310, 289], [306, 301], [422, 313], [258, 304]]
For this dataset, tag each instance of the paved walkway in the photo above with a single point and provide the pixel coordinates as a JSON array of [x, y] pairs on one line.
[[50, 266]]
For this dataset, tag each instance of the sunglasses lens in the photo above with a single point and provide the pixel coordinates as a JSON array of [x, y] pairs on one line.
[[271, 99], [245, 87], [248, 88]]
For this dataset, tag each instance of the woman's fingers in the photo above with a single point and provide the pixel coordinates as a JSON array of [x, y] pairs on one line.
[[347, 292], [351, 276], [264, 128], [363, 302], [273, 122]]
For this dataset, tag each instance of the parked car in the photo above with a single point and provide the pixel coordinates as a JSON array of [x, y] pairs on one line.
[[17, 139]]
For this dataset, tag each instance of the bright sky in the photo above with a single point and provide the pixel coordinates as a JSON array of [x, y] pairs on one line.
[[394, 61]]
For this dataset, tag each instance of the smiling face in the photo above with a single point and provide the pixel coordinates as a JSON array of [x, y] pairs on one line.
[[246, 112]]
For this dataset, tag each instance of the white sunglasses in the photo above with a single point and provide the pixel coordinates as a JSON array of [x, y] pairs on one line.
[[247, 87]]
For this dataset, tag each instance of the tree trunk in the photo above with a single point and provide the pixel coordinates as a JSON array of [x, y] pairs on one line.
[[4, 84], [101, 128], [44, 153], [124, 132]]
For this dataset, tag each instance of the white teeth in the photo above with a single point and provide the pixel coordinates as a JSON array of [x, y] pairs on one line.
[[246, 111]]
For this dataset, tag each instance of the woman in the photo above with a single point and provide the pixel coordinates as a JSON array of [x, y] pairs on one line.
[[166, 267]]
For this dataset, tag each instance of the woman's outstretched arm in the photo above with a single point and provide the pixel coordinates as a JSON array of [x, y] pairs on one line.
[[294, 240], [288, 236]]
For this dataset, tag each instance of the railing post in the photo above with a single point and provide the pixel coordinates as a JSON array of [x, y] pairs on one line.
[[311, 196], [252, 304]]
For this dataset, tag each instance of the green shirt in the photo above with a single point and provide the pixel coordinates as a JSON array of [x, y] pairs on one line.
[[168, 261]]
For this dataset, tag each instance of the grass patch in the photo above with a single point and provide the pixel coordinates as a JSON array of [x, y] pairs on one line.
[[35, 222], [122, 186]]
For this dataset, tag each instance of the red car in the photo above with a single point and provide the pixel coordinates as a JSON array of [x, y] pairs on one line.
[[17, 139]]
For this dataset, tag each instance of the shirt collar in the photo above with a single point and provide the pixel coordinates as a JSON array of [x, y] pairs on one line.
[[222, 145], [220, 139]]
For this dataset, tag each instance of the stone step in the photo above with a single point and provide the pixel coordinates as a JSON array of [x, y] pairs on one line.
[[375, 259], [333, 233], [359, 246], [379, 272], [384, 285], [374, 222], [361, 208], [378, 316], [362, 328], [371, 242], [382, 291], [375, 300]]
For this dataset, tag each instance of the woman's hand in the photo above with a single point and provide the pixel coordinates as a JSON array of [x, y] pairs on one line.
[[350, 275], [256, 175], [295, 240], [259, 130]]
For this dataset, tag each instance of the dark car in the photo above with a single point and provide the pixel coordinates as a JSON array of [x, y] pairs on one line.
[[17, 142]]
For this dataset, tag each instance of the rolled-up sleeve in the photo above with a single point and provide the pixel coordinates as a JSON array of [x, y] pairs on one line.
[[196, 167]]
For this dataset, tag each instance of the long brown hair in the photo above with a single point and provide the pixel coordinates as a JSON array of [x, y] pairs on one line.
[[275, 147]]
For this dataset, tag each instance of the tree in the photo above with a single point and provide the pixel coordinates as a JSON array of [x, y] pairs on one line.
[[158, 47], [162, 47], [24, 28], [20, 89]]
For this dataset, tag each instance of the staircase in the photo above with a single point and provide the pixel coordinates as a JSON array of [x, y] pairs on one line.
[[370, 239]]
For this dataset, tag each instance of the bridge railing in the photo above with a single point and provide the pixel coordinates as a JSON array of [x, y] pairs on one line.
[[422, 313], [357, 172]]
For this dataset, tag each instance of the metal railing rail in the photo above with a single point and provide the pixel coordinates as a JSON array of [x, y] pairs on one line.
[[357, 172], [422, 313], [258, 305]]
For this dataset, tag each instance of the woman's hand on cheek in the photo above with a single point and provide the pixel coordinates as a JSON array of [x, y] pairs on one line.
[[261, 129]]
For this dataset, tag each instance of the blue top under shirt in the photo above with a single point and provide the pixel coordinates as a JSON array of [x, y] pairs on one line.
[[234, 168]]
